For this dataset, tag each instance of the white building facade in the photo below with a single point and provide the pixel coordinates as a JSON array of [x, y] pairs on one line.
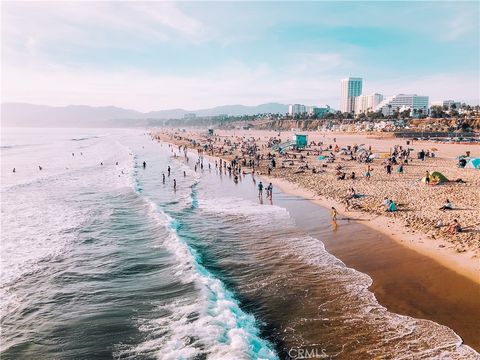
[[295, 109], [366, 103], [351, 88], [391, 104]]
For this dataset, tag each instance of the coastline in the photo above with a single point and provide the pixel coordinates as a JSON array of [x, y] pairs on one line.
[[465, 263], [440, 251], [398, 269]]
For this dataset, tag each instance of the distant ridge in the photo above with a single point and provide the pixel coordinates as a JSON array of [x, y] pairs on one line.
[[23, 114]]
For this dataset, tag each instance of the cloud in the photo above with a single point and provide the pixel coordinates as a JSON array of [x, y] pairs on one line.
[[193, 55], [463, 21], [37, 27]]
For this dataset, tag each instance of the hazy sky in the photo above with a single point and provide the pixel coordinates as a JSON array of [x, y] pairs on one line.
[[160, 55]]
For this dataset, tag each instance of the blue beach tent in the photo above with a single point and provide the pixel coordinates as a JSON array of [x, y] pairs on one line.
[[473, 163]]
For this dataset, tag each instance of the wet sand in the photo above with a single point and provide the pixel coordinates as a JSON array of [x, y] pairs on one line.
[[404, 281]]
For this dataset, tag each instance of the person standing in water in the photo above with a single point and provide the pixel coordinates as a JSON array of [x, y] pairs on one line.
[[144, 164], [174, 184], [260, 189], [270, 191], [14, 170], [168, 169], [334, 214], [163, 178]]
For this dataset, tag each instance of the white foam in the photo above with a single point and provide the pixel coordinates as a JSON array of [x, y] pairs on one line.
[[220, 328]]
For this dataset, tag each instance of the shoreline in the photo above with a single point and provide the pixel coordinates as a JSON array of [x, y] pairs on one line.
[[439, 249], [400, 270]]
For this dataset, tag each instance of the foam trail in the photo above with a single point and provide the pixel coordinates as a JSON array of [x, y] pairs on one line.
[[213, 324]]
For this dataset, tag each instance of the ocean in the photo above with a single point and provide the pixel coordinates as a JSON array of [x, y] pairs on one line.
[[101, 259]]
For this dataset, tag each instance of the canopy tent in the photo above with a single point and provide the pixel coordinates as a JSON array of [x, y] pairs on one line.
[[473, 163]]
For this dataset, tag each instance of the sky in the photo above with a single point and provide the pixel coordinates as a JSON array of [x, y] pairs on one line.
[[192, 55]]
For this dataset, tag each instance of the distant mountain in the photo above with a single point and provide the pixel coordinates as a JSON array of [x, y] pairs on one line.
[[22, 114]]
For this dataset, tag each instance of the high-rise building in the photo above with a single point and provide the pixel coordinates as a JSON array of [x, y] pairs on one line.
[[294, 109], [417, 104], [365, 103], [351, 88]]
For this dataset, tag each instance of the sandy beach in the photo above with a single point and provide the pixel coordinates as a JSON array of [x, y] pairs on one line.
[[413, 225]]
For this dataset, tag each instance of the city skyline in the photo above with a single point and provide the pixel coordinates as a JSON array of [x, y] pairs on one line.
[[150, 56]]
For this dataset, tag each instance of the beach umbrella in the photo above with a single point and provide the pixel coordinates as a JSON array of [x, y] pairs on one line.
[[321, 157]]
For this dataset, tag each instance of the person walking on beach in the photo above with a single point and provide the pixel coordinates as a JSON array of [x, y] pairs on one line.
[[260, 189], [427, 177], [333, 214], [174, 184], [270, 191], [368, 173], [388, 168]]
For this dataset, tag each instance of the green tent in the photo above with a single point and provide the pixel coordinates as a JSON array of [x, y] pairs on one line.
[[438, 178]]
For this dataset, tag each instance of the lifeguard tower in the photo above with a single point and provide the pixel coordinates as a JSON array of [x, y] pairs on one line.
[[300, 140]]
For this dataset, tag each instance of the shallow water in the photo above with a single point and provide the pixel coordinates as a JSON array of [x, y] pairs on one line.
[[102, 261]]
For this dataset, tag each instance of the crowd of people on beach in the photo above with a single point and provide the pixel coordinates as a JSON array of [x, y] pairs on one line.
[[241, 155]]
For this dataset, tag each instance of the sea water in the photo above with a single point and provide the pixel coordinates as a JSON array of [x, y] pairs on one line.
[[101, 259]]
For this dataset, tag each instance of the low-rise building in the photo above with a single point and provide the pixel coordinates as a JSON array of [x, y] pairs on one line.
[[319, 112], [391, 104]]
